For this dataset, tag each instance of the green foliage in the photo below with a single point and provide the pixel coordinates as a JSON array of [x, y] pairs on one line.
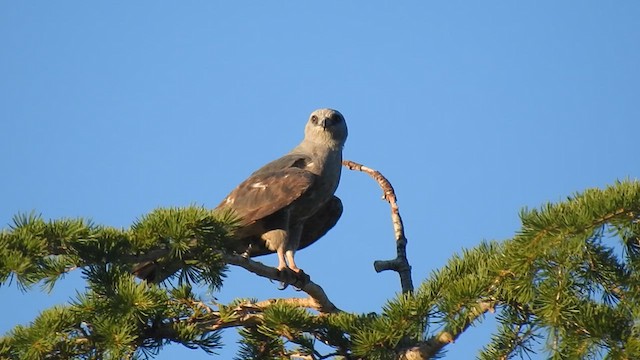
[[567, 285], [115, 325], [563, 275], [188, 239], [118, 316]]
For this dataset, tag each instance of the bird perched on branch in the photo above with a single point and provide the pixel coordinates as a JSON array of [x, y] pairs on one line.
[[289, 203], [285, 205]]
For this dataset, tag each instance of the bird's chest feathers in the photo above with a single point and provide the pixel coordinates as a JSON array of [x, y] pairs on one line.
[[327, 166], [328, 176]]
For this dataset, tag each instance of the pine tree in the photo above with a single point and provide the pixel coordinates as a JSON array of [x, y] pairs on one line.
[[569, 279]]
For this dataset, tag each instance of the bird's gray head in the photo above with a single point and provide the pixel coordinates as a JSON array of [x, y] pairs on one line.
[[327, 127]]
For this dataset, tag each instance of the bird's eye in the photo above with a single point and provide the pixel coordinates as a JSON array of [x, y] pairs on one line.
[[314, 119], [336, 118]]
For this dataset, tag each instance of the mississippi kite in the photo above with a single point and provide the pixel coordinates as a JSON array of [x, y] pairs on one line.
[[289, 203]]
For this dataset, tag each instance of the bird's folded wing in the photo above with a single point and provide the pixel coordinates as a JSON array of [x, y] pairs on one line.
[[264, 193], [321, 222]]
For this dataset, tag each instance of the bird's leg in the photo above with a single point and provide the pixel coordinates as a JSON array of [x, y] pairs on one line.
[[291, 264], [302, 279], [292, 245], [284, 240], [276, 240], [282, 263], [282, 267]]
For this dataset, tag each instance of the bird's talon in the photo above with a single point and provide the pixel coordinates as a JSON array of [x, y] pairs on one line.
[[283, 279], [302, 279], [298, 279]]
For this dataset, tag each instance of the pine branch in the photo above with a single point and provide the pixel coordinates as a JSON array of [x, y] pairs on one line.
[[557, 278], [243, 314], [400, 264], [33, 249]]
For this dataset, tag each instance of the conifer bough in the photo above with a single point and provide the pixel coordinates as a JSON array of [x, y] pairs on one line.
[[567, 285]]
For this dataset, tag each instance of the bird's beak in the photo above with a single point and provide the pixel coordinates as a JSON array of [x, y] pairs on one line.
[[324, 123]]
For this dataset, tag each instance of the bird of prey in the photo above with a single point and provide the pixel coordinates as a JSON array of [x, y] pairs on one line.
[[289, 203]]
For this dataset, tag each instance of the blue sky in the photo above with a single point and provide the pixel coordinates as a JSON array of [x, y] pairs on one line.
[[473, 110]]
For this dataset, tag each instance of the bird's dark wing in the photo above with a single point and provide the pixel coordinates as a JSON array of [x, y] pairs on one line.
[[314, 228], [321, 222], [273, 187]]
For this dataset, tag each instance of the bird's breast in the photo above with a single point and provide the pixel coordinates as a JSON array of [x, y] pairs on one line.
[[327, 168]]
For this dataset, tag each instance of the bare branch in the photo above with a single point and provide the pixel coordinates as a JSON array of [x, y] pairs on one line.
[[428, 349], [244, 315], [317, 300], [400, 264]]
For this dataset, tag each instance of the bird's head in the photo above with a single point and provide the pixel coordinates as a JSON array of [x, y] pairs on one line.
[[328, 127]]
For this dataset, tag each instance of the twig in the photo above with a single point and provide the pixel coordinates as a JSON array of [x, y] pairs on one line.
[[400, 264], [428, 349]]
